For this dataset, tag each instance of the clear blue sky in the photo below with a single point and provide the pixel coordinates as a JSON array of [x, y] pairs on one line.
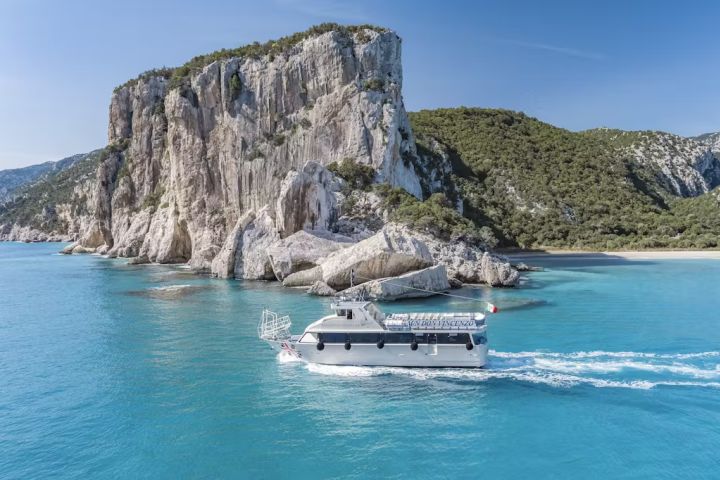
[[575, 64]]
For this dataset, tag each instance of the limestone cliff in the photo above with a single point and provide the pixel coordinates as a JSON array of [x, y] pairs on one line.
[[193, 156], [685, 167]]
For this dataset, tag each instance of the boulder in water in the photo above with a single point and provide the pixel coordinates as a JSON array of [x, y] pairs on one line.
[[421, 283], [321, 289], [388, 253], [302, 250]]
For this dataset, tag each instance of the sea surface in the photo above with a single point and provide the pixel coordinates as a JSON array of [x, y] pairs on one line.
[[599, 369]]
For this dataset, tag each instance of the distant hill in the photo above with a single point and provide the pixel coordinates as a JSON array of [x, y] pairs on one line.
[[710, 139], [53, 202], [13, 179], [536, 185]]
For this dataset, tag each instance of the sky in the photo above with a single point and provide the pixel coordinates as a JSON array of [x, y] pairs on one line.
[[636, 65]]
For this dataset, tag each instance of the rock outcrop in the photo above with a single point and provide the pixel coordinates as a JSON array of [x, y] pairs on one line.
[[390, 252], [244, 134], [464, 262], [398, 252], [221, 164], [420, 283], [304, 278], [321, 289], [251, 259], [686, 167], [302, 250]]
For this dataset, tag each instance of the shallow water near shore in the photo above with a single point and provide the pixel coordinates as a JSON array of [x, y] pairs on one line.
[[598, 369]]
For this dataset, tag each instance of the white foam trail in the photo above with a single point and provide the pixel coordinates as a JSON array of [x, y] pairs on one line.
[[600, 353], [285, 357], [618, 366], [171, 288], [561, 369]]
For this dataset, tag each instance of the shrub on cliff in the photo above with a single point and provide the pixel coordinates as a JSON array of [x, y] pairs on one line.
[[180, 76], [357, 175]]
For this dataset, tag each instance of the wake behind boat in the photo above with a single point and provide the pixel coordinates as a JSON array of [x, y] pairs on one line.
[[359, 333]]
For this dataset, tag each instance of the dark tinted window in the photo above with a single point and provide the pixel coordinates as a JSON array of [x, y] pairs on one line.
[[398, 337], [453, 338], [422, 337], [364, 337], [334, 337], [349, 314]]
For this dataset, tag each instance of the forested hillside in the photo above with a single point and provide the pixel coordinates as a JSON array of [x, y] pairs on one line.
[[536, 185]]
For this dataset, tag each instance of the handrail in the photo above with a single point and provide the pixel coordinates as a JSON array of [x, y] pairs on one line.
[[274, 327]]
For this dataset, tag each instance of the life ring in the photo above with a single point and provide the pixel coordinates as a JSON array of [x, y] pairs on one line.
[[413, 345], [348, 345], [320, 345], [469, 345], [381, 344]]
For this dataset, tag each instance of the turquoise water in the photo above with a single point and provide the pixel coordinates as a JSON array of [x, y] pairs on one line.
[[603, 369]]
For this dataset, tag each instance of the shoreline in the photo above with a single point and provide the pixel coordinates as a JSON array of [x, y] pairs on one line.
[[627, 255]]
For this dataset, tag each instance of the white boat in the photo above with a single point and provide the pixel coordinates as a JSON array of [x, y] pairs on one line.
[[358, 333]]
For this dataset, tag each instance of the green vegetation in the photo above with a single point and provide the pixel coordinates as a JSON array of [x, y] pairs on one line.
[[181, 75], [152, 200], [254, 154], [163, 72], [357, 175], [538, 186], [435, 215], [278, 139], [35, 204], [374, 84], [235, 85]]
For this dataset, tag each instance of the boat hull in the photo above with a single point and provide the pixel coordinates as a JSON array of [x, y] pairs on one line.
[[426, 356]]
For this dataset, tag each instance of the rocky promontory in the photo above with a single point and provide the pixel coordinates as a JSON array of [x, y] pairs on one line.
[[229, 164]]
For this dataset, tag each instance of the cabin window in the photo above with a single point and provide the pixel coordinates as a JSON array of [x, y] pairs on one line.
[[333, 337], [479, 338], [364, 337], [349, 314], [341, 313], [453, 338], [399, 337]]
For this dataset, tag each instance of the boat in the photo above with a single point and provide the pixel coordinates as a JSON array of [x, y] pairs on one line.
[[359, 333]]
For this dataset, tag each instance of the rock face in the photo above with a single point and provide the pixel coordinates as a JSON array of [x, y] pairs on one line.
[[465, 263], [308, 200], [304, 278], [420, 283], [224, 168], [301, 250], [687, 167], [248, 134], [321, 289], [388, 253]]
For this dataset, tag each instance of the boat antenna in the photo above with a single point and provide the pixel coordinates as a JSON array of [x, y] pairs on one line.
[[488, 306]]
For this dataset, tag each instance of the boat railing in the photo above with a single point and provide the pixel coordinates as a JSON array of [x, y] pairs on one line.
[[273, 326]]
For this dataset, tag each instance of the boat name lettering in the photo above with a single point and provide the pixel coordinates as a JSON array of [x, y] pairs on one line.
[[419, 324]]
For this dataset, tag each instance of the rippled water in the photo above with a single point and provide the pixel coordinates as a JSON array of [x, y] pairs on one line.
[[598, 369]]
